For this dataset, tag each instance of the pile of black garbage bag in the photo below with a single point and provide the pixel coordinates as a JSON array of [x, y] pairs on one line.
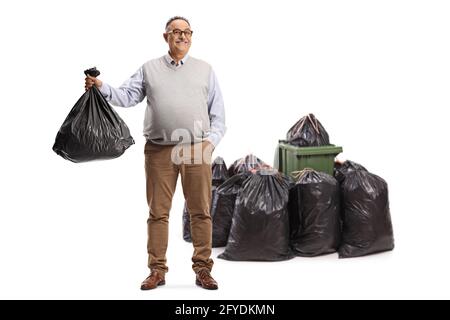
[[261, 214], [92, 130], [268, 216]]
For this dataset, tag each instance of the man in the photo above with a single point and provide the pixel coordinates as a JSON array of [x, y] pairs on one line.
[[183, 101]]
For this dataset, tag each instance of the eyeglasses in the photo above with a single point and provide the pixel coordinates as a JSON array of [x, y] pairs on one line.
[[177, 32]]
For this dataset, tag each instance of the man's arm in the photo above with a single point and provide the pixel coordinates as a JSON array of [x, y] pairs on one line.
[[216, 111], [129, 94]]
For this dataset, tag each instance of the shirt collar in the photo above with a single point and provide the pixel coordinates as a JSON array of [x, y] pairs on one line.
[[170, 61]]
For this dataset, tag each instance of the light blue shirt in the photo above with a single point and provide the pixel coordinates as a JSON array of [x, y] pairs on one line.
[[132, 92]]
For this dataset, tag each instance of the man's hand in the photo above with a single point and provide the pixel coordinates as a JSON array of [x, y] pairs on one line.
[[90, 81], [210, 145]]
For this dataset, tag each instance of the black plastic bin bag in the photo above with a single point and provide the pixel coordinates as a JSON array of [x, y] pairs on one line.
[[367, 225], [92, 130], [260, 227], [247, 163], [307, 132], [314, 212]]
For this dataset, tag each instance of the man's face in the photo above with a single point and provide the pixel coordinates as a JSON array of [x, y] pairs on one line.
[[178, 43]]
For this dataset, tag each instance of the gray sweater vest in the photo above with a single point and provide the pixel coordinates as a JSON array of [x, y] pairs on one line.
[[177, 101]]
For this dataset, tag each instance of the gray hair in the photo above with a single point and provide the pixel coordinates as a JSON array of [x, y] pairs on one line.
[[176, 18]]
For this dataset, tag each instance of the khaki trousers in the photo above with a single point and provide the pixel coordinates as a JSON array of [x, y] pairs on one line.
[[161, 179]]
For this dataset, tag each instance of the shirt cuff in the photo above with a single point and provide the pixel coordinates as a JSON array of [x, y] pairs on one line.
[[105, 90], [214, 139]]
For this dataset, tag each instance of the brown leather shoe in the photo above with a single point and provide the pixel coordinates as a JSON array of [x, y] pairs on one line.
[[152, 281], [204, 280]]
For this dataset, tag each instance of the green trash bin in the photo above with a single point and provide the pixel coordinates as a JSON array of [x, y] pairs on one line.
[[289, 158]]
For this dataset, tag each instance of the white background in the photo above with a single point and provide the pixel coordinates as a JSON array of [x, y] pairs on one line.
[[375, 73]]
